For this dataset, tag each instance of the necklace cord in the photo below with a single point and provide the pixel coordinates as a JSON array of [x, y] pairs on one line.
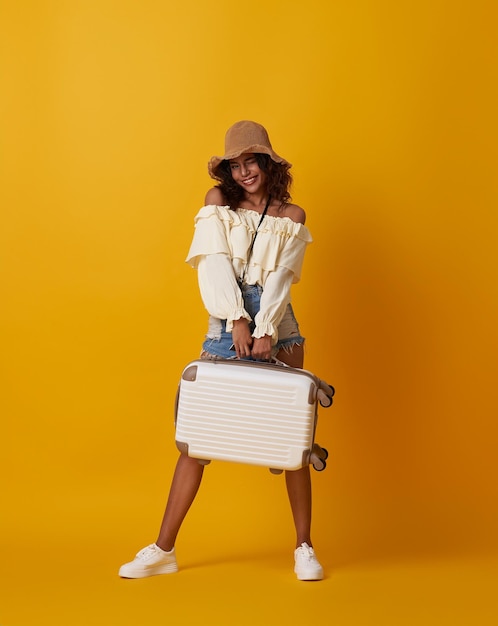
[[249, 253]]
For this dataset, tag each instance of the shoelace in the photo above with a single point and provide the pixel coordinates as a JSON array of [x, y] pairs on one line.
[[147, 553], [305, 552]]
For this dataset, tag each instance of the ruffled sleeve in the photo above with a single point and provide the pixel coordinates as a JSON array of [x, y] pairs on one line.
[[220, 292], [274, 301], [292, 255], [212, 233], [210, 253]]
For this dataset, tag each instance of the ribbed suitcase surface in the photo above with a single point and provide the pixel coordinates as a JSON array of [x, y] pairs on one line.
[[247, 412]]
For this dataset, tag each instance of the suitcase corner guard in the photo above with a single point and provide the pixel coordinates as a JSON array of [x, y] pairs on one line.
[[183, 448]]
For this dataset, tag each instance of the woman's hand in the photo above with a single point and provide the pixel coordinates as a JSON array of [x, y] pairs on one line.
[[241, 337], [261, 348]]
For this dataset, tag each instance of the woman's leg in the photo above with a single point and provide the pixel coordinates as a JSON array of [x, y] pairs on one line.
[[298, 482], [293, 356], [184, 487], [299, 491]]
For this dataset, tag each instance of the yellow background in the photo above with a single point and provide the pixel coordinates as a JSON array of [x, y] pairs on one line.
[[109, 113]]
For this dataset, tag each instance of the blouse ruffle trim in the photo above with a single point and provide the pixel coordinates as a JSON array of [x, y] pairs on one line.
[[265, 328], [235, 315], [280, 240], [276, 225]]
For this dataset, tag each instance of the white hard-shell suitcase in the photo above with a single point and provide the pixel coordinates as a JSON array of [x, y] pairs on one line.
[[250, 412]]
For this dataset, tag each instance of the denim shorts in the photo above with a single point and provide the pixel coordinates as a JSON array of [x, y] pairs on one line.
[[219, 342]]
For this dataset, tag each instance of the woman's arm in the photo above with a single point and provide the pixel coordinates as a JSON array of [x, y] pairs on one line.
[[220, 292], [222, 298], [274, 300]]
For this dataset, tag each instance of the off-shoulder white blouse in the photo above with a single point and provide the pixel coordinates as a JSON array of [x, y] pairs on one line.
[[219, 249]]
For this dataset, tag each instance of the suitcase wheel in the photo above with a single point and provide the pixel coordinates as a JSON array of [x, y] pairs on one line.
[[325, 394], [321, 453], [324, 399], [203, 461], [318, 457], [319, 464], [275, 471]]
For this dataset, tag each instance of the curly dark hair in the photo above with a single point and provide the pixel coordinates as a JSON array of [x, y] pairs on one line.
[[279, 180]]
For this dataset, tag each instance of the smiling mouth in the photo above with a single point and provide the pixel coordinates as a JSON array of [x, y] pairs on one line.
[[249, 181]]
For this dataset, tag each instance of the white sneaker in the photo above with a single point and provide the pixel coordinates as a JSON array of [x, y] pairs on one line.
[[307, 566], [149, 562]]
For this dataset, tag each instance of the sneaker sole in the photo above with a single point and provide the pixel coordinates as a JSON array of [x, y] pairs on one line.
[[315, 575], [169, 568]]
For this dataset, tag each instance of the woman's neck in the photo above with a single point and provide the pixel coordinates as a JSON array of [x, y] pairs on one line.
[[256, 202]]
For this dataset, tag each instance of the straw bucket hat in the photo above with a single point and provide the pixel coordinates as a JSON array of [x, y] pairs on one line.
[[244, 136]]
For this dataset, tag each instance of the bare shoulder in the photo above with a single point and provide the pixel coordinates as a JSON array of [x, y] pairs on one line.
[[296, 213], [214, 196]]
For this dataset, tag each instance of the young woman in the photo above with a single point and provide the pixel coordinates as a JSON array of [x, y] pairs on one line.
[[245, 286]]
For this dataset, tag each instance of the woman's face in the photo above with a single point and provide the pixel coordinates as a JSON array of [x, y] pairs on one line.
[[247, 173]]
